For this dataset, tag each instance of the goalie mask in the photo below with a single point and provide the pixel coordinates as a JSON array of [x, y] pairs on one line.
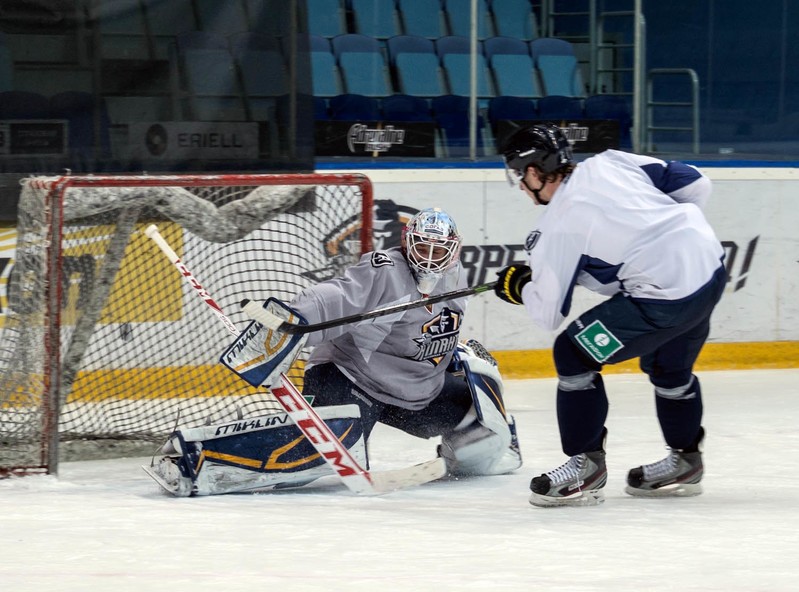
[[431, 244]]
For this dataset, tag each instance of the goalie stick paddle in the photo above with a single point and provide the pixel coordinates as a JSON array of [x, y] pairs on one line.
[[356, 478], [256, 311]]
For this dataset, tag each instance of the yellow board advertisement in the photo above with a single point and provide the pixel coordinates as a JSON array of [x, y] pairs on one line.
[[139, 281]]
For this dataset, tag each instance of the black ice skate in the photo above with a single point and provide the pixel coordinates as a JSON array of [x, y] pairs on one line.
[[578, 482], [677, 475]]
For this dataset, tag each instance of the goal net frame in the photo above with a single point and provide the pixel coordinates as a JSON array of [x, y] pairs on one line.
[[47, 205]]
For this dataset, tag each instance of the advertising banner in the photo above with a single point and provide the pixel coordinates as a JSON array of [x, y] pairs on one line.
[[33, 137], [375, 138], [193, 140], [585, 135]]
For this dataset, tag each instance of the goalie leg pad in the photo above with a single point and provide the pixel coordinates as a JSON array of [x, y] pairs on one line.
[[488, 445], [255, 453]]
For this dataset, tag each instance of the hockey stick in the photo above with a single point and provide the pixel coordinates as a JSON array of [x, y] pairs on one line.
[[356, 478], [257, 312]]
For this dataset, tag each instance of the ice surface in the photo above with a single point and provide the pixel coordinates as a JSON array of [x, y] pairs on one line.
[[103, 525]]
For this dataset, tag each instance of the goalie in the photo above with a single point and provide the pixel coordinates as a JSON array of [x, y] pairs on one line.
[[406, 370]]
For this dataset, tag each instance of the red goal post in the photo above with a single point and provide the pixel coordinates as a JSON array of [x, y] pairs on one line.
[[104, 345]]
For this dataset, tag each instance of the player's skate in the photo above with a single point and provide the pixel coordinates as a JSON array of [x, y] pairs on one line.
[[677, 475], [167, 473], [578, 482]]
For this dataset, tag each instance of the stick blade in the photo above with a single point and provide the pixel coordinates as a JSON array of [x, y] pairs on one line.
[[419, 474]]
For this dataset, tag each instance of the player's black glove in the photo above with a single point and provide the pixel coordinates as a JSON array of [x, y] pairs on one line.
[[511, 281]]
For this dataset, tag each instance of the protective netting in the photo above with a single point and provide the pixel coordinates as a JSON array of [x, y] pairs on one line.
[[138, 349]]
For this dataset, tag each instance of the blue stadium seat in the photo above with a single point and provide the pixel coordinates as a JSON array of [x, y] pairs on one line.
[[509, 108], [512, 67], [353, 107], [326, 18], [375, 18], [208, 78], [517, 108], [362, 65], [224, 17], [263, 72], [320, 110], [505, 46], [515, 18], [325, 75], [611, 107], [422, 17], [401, 107], [454, 53], [560, 107], [416, 66], [557, 66], [451, 114], [458, 16]]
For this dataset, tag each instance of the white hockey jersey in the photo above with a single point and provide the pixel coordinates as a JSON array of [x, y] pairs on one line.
[[400, 358], [621, 222]]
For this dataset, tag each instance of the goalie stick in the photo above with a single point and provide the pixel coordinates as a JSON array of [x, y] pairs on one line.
[[356, 478], [263, 316]]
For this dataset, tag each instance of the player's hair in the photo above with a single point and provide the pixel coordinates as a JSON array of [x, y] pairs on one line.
[[543, 146]]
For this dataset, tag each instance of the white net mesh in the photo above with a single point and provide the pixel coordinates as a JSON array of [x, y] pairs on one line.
[[138, 349]]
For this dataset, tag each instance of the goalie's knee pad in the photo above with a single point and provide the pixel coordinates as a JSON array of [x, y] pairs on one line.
[[249, 454], [476, 450], [489, 445]]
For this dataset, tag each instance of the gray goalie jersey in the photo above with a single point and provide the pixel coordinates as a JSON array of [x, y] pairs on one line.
[[399, 359]]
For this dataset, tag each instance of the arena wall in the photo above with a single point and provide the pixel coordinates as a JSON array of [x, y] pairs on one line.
[[755, 212]]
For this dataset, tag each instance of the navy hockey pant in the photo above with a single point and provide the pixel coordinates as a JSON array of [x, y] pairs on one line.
[[666, 336], [329, 386]]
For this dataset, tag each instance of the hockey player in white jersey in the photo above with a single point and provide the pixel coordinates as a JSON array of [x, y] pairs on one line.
[[630, 227], [408, 370]]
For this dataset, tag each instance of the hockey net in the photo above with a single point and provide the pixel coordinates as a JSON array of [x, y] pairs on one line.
[[105, 347]]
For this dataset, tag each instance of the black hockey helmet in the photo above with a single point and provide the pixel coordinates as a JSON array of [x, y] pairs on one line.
[[543, 146]]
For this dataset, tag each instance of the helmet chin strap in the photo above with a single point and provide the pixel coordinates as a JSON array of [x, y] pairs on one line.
[[536, 192]]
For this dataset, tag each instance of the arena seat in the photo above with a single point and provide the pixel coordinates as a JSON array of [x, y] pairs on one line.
[[557, 65]]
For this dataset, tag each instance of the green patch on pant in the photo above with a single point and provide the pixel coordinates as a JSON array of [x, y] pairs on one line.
[[598, 341]]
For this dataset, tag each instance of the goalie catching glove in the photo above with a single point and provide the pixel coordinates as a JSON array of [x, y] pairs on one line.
[[511, 281]]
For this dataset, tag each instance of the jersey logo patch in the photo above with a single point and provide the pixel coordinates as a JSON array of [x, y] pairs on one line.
[[598, 341], [439, 337], [379, 259], [531, 240]]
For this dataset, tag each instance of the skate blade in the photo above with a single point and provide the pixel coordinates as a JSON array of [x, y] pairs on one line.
[[592, 497], [676, 490], [178, 490]]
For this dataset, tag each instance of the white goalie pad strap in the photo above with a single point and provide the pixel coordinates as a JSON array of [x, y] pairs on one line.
[[485, 384], [256, 424], [260, 354]]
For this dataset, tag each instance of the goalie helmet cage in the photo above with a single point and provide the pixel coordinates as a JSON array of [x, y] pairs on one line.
[[104, 345]]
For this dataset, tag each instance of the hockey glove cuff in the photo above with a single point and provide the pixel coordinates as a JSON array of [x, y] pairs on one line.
[[511, 281]]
